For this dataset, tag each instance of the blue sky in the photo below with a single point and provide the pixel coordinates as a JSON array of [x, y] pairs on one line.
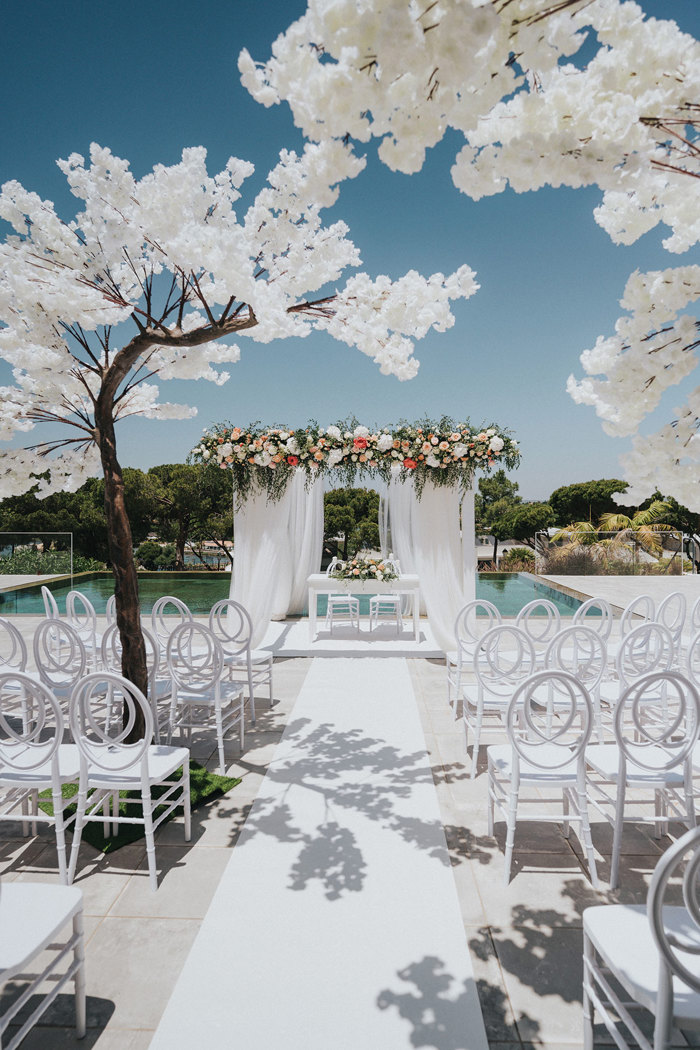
[[148, 78]]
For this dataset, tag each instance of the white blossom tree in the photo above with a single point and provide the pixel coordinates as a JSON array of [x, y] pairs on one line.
[[509, 76], [149, 281]]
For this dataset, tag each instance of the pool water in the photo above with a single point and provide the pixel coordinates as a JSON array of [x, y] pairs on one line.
[[509, 592]]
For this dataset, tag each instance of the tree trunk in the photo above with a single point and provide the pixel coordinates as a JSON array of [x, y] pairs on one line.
[[126, 587], [495, 553], [180, 544]]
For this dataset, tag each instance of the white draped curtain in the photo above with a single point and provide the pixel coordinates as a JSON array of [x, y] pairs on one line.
[[276, 547], [427, 538]]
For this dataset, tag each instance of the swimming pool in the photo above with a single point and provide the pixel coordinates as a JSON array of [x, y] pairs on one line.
[[507, 591]]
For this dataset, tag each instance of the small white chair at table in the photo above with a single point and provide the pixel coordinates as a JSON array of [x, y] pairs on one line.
[[387, 604], [341, 606]]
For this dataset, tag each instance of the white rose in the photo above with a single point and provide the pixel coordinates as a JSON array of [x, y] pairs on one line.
[[334, 432], [490, 431], [432, 461], [385, 442], [361, 432], [496, 443], [334, 457], [206, 454], [283, 435], [460, 450], [292, 446], [225, 449]]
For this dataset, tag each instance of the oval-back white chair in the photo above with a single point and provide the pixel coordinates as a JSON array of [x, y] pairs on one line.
[[60, 656], [159, 687], [80, 614], [111, 610], [50, 604], [13, 648], [580, 650], [596, 614], [695, 617], [541, 621], [200, 696], [645, 650], [33, 757], [231, 623], [473, 621], [108, 764], [640, 610], [671, 613], [545, 756], [168, 613], [692, 661], [504, 657], [652, 954], [656, 724]]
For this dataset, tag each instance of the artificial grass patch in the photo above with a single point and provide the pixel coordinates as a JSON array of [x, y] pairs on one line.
[[204, 787]]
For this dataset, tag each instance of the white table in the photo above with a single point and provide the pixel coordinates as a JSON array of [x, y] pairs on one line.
[[319, 583]]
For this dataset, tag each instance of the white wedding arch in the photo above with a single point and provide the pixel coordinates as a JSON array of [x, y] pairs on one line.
[[428, 468]]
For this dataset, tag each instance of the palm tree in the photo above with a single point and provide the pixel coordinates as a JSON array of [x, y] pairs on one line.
[[644, 526]]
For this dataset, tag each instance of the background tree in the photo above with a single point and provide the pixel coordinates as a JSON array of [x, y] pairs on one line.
[[523, 522], [195, 503], [151, 279], [497, 495], [82, 513], [586, 500], [352, 516]]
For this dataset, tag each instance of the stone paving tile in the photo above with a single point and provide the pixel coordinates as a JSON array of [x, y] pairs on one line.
[[134, 962], [187, 878]]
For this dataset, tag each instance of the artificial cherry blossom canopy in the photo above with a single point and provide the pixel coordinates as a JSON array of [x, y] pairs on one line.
[[446, 452]]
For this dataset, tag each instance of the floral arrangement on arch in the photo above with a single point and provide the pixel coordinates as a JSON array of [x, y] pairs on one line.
[[364, 568], [447, 452]]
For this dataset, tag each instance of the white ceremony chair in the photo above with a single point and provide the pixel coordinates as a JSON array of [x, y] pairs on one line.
[[671, 613], [33, 758], [201, 697], [50, 604], [652, 953], [168, 613], [541, 621], [111, 610], [545, 756], [581, 651], [13, 648], [80, 614], [385, 605], [644, 650], [656, 727], [60, 656], [640, 610], [109, 765], [596, 614], [344, 608], [159, 683], [473, 621], [232, 625], [695, 617], [341, 606], [503, 658], [33, 921]]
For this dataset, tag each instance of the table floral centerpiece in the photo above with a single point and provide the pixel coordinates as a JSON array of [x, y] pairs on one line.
[[364, 568]]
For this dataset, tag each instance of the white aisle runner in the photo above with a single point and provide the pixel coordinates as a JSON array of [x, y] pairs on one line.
[[336, 925]]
